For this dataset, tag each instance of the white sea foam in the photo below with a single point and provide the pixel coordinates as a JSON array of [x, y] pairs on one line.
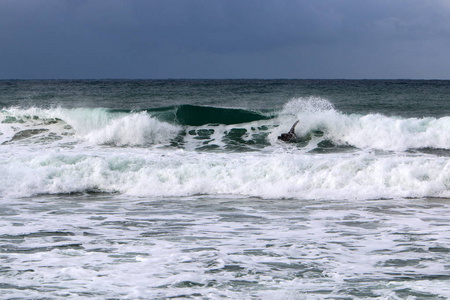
[[101, 126], [97, 126], [372, 131], [276, 172], [136, 129], [180, 173], [216, 248]]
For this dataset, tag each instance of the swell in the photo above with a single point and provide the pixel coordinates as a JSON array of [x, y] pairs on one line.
[[197, 115], [193, 115]]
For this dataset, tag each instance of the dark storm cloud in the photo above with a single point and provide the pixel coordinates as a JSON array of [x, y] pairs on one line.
[[231, 39]]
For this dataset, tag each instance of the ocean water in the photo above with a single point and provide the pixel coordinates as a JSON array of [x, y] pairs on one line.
[[158, 189]]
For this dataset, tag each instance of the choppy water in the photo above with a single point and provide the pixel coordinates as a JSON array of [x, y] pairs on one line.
[[209, 247], [159, 189]]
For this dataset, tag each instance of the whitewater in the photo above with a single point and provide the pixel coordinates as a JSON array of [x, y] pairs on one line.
[[160, 189], [371, 156]]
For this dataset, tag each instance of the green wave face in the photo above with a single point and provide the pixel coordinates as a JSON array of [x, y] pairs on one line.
[[193, 115], [203, 131]]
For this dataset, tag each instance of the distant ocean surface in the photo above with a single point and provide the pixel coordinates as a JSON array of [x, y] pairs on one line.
[[157, 189]]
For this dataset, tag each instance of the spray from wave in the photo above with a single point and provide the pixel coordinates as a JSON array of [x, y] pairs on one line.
[[371, 131], [98, 126], [225, 129], [136, 129], [242, 158]]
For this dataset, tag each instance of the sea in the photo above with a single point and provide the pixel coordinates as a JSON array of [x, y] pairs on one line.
[[181, 189]]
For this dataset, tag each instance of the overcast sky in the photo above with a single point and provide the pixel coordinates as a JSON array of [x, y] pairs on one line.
[[353, 39]]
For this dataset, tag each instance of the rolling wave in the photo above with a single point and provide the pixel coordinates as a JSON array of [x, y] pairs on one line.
[[213, 128], [183, 173], [192, 115], [223, 151]]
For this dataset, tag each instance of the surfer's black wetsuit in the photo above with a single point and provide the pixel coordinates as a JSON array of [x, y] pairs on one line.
[[290, 136]]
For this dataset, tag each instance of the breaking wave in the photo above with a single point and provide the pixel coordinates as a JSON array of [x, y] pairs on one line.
[[151, 153], [371, 131], [181, 173], [197, 127]]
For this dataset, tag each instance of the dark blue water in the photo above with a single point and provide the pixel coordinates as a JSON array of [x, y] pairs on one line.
[[408, 98]]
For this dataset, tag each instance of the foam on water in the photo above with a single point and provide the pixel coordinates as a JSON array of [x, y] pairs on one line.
[[63, 151], [372, 131], [206, 247], [181, 173], [137, 129], [97, 126], [101, 126]]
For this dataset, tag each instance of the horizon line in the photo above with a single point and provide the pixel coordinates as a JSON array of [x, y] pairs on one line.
[[229, 79]]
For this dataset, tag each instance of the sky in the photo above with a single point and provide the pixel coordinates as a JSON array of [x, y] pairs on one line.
[[159, 39]]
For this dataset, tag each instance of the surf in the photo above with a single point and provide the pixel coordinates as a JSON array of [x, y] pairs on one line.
[[141, 173], [93, 126], [370, 131], [203, 128]]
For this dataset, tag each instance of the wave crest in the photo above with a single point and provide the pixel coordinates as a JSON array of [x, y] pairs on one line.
[[320, 124], [371, 131], [136, 129], [95, 125]]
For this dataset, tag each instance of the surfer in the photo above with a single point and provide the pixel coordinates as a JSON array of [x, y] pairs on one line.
[[290, 136]]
